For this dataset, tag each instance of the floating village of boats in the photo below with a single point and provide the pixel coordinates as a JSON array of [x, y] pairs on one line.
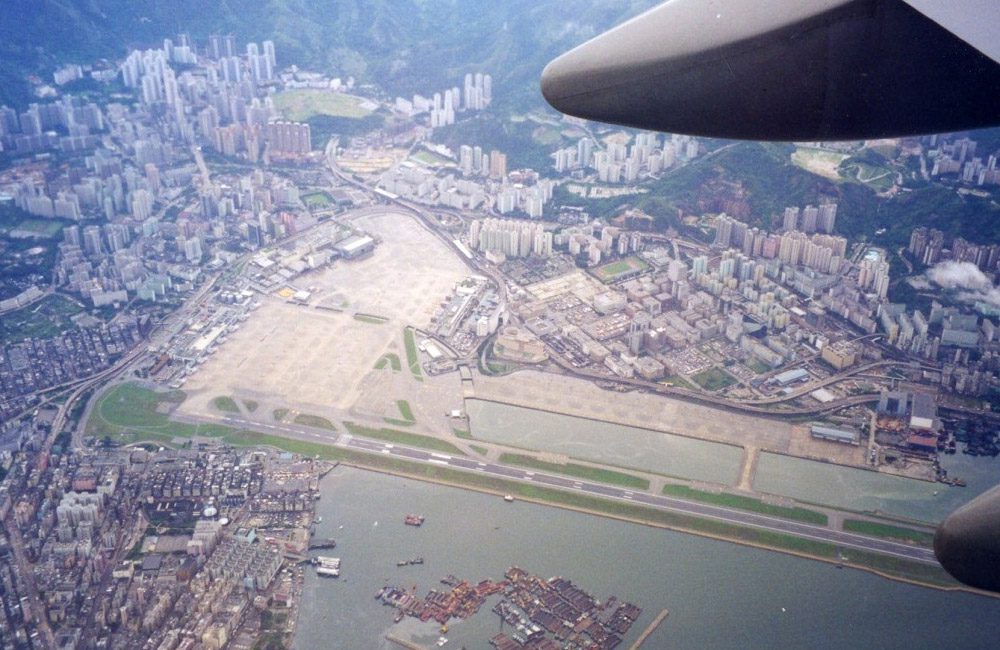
[[541, 614]]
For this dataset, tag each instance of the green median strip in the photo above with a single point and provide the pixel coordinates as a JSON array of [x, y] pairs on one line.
[[314, 421], [371, 319], [403, 438], [412, 358], [405, 410], [595, 474], [389, 360], [746, 503], [407, 419], [226, 403], [876, 529]]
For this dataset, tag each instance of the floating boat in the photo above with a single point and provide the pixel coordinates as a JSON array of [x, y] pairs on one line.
[[413, 520], [441, 641], [508, 497], [328, 543], [328, 566]]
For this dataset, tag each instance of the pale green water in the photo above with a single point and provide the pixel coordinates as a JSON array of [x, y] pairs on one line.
[[802, 479], [720, 595], [857, 489], [616, 444]]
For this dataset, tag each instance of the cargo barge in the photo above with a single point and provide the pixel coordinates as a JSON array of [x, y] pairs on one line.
[[327, 566], [326, 544]]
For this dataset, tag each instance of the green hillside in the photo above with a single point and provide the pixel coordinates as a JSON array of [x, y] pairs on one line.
[[405, 46]]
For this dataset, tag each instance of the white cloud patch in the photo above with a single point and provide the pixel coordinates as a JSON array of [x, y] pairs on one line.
[[959, 275], [972, 284]]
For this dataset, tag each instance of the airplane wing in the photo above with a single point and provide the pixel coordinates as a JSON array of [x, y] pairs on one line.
[[967, 543], [804, 70], [974, 21], [789, 69]]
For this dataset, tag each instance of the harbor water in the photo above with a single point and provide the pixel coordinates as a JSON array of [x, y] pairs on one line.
[[616, 444], [867, 491], [673, 455], [720, 595]]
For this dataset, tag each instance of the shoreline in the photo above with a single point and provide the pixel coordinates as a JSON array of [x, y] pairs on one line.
[[500, 487], [681, 529]]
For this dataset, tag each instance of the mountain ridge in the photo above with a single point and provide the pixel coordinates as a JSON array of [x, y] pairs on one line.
[[404, 46]]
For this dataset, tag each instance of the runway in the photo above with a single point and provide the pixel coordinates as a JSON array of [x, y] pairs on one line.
[[666, 503]]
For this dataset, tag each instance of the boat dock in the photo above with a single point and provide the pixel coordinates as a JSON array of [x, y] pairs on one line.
[[662, 616]]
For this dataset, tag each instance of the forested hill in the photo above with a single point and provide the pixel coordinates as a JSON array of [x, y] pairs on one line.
[[404, 46]]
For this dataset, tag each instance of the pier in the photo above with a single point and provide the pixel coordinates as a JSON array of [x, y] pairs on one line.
[[662, 616], [403, 643], [748, 471]]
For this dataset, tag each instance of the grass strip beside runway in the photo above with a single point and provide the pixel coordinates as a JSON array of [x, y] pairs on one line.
[[746, 503], [403, 438], [596, 474]]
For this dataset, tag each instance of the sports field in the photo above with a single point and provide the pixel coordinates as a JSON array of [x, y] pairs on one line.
[[430, 159], [317, 200], [302, 103], [40, 228], [616, 270]]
